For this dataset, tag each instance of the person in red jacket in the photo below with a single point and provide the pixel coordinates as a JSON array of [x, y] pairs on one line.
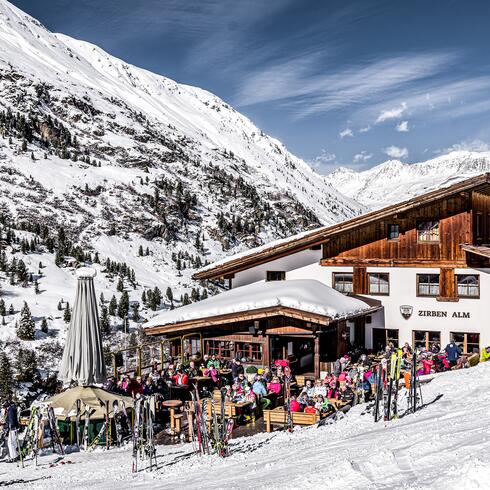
[[294, 405], [310, 408], [180, 379]]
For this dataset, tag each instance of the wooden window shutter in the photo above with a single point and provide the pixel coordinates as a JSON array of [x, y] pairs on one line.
[[359, 278], [447, 285]]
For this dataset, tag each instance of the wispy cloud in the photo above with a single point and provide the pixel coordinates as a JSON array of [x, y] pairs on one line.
[[306, 91], [402, 127], [395, 152], [365, 129], [438, 99], [362, 157], [347, 132], [394, 113]]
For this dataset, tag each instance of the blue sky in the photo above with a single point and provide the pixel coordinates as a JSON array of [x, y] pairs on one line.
[[339, 82]]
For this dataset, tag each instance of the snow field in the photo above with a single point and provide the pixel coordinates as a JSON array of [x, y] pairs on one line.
[[444, 446]]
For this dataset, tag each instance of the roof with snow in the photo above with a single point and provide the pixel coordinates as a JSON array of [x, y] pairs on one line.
[[302, 241], [314, 301]]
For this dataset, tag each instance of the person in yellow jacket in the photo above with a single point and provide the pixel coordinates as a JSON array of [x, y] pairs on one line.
[[485, 354]]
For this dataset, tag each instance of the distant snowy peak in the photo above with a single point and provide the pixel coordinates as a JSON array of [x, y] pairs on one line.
[[394, 181]]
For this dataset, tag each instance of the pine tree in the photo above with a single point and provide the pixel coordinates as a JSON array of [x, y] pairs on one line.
[[26, 326], [60, 305], [44, 325], [123, 306], [6, 378], [67, 313], [36, 287], [26, 364], [11, 309], [120, 286], [3, 310], [140, 251], [170, 296], [143, 297], [112, 306], [147, 251], [204, 294], [105, 323], [186, 300], [135, 311], [21, 271]]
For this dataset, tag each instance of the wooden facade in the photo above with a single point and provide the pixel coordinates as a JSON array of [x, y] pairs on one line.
[[262, 336]]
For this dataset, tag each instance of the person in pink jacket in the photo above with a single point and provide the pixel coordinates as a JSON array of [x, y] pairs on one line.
[[274, 386]]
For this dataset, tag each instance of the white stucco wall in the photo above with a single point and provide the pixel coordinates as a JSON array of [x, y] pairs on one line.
[[305, 265]]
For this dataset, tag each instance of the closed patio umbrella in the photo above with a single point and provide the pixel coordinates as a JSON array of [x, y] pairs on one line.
[[83, 359]]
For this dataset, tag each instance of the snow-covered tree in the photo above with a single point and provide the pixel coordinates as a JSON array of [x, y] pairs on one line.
[[120, 285], [105, 324], [26, 326], [44, 325]]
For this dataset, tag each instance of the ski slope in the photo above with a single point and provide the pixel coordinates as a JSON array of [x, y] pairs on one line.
[[446, 445]]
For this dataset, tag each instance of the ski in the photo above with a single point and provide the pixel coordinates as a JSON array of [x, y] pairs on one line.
[[77, 422]]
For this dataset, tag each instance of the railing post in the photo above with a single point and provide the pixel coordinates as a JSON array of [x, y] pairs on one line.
[[139, 360]]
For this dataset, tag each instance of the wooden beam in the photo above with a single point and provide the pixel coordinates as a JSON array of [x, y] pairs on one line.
[[316, 357], [356, 262]]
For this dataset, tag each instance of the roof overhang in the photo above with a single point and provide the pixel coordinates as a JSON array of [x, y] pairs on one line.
[[480, 183], [251, 315], [481, 250]]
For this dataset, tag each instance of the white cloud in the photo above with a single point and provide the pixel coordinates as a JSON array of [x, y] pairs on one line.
[[323, 157], [394, 113], [365, 129], [469, 145], [395, 152], [346, 132], [362, 157], [402, 127]]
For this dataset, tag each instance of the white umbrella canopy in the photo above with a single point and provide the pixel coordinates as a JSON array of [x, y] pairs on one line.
[[83, 357], [65, 404]]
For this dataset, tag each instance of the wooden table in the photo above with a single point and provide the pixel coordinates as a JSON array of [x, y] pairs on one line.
[[172, 405]]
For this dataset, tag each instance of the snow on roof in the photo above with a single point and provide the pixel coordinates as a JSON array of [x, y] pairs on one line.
[[261, 248], [302, 294]]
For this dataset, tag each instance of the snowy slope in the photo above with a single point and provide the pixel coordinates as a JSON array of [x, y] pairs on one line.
[[394, 181], [444, 446], [148, 163]]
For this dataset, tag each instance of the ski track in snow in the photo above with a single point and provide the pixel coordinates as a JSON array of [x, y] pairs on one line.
[[445, 445]]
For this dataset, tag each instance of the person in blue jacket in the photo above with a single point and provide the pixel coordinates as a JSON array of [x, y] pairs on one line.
[[453, 352]]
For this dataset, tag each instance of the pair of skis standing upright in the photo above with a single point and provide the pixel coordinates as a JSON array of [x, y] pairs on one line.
[[218, 438], [388, 386], [143, 435]]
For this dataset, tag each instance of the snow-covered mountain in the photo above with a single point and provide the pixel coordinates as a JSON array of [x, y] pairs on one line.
[[394, 181], [126, 159]]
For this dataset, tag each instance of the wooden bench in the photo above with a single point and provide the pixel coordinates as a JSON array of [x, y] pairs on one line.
[[279, 416]]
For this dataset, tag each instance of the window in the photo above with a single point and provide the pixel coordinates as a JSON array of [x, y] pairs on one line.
[[383, 337], [428, 231], [426, 339], [249, 351], [379, 283], [343, 282], [220, 348], [393, 232], [276, 276], [427, 284], [469, 342], [468, 285]]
